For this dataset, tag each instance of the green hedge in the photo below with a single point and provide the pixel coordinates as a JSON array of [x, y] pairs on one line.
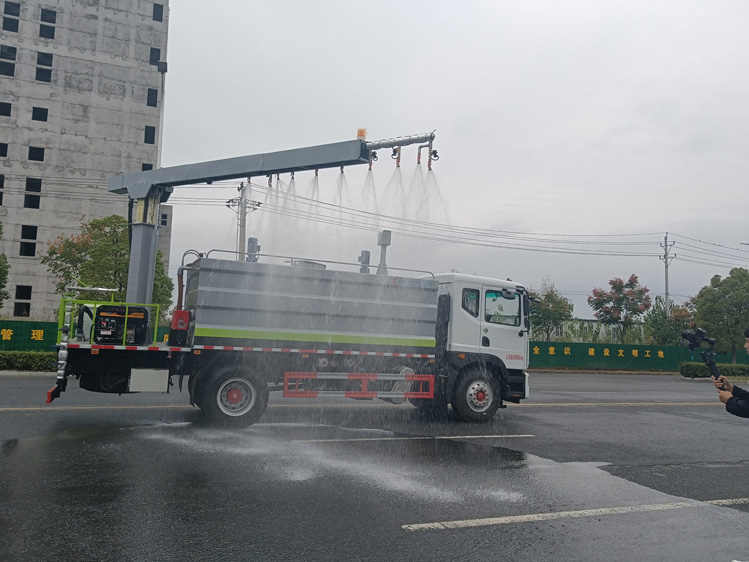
[[700, 370], [28, 361]]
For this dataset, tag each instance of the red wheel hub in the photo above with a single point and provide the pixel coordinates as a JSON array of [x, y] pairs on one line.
[[234, 395], [481, 396]]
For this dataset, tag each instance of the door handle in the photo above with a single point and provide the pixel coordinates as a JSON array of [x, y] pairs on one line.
[[485, 341]]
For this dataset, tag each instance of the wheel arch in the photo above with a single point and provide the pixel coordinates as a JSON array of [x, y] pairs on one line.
[[494, 365]]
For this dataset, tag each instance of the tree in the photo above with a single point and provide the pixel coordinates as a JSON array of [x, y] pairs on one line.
[[722, 309], [99, 257], [622, 305], [551, 312], [666, 329], [4, 269]]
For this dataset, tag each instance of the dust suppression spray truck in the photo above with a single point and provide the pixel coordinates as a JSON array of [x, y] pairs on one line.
[[311, 327]]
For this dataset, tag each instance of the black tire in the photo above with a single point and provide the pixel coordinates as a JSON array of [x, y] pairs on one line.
[[477, 396], [232, 397]]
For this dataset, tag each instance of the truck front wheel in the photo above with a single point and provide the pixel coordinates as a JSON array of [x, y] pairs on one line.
[[233, 397], [477, 396]]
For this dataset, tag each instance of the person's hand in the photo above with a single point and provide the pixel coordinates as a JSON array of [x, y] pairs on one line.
[[724, 395], [723, 384]]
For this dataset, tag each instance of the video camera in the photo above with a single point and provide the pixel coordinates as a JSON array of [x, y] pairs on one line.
[[695, 340]]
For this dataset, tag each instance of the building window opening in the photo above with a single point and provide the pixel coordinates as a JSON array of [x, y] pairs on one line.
[[44, 60], [3, 149], [146, 167], [33, 186], [49, 16], [2, 186], [158, 12], [150, 135], [36, 154], [44, 75], [46, 31], [152, 99], [10, 24], [23, 292], [28, 249], [7, 54], [164, 219], [28, 232], [39, 113], [11, 13], [5, 109], [22, 309], [31, 201], [12, 9], [155, 56]]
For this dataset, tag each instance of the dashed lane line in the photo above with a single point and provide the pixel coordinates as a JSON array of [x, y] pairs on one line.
[[536, 517], [418, 438]]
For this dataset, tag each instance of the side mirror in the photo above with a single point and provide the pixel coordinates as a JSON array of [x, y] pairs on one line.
[[526, 314]]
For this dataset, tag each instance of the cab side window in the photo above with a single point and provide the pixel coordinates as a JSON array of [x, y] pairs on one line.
[[502, 308], [471, 302]]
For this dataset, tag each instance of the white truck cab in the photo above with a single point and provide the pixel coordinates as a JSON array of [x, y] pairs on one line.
[[487, 316], [488, 328]]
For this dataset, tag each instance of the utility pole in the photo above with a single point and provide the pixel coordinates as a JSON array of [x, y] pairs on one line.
[[243, 220], [242, 204], [666, 261]]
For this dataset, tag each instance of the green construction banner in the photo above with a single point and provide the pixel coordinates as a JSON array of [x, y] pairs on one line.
[[616, 357], [20, 335], [28, 335]]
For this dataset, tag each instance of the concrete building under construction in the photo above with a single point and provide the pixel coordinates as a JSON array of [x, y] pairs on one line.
[[81, 100]]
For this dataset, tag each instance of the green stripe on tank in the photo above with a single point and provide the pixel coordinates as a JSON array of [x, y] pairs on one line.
[[316, 337]]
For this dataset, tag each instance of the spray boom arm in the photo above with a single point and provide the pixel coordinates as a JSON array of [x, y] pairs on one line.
[[150, 188]]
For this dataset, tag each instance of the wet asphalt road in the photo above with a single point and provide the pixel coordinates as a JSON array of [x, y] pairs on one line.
[[593, 467]]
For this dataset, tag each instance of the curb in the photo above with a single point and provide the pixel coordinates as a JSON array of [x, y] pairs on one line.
[[49, 374]]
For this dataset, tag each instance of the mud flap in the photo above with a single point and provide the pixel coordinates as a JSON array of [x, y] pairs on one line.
[[55, 391]]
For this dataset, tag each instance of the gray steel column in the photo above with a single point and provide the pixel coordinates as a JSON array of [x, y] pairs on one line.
[[143, 248]]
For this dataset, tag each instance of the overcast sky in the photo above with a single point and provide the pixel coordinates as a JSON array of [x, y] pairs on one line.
[[562, 122]]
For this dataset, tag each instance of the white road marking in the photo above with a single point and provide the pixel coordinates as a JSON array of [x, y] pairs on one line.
[[534, 517], [422, 438], [736, 501]]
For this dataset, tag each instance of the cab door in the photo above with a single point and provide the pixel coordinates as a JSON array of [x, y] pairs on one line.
[[465, 319], [502, 330]]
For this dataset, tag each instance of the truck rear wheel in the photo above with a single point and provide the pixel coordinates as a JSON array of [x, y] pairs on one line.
[[477, 396], [233, 397]]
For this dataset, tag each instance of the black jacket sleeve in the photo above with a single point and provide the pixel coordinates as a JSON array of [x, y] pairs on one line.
[[738, 404]]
